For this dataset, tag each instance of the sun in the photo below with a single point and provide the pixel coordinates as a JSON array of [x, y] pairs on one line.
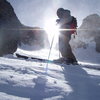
[[51, 29]]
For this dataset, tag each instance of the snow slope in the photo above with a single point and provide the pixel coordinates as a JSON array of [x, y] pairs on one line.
[[28, 80]]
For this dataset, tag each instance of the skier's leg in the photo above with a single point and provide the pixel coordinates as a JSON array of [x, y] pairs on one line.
[[62, 45], [65, 48], [67, 51]]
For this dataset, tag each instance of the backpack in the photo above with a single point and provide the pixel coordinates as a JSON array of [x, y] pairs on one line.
[[73, 25]]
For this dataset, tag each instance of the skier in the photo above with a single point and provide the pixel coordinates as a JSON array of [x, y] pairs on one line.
[[66, 21]]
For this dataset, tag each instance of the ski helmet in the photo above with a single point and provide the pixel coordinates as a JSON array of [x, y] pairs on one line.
[[60, 12], [67, 11]]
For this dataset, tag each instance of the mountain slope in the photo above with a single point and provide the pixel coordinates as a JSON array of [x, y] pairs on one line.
[[27, 79]]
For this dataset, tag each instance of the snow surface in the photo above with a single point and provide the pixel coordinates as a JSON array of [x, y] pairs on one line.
[[89, 54], [30, 79]]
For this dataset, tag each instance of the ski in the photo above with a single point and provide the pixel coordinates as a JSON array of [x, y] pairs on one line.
[[54, 62], [43, 60], [35, 58]]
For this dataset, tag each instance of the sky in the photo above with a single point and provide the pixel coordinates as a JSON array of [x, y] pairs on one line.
[[37, 12]]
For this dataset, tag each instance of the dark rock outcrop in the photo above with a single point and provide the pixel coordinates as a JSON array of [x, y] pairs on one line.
[[97, 40], [12, 32], [9, 24]]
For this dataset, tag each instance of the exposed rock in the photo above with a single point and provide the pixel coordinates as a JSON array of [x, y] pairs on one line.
[[9, 37], [12, 32], [97, 40]]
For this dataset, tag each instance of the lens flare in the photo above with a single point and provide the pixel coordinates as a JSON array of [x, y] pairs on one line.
[[52, 29]]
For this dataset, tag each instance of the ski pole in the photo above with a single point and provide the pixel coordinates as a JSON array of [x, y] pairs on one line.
[[50, 52]]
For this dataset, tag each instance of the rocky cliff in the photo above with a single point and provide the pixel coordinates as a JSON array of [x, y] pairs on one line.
[[9, 24], [12, 32]]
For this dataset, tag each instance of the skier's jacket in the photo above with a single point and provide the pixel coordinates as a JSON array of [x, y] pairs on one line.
[[72, 24]]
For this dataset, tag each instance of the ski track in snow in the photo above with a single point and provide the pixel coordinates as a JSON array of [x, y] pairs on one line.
[[28, 80]]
